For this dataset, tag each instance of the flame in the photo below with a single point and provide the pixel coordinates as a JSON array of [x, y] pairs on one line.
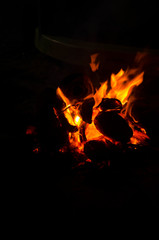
[[122, 86], [92, 133], [71, 112], [100, 93], [94, 64], [64, 98], [77, 120]]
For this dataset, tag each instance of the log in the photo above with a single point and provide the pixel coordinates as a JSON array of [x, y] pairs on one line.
[[82, 132], [87, 109], [112, 125], [110, 103]]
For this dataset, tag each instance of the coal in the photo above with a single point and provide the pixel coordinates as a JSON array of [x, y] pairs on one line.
[[87, 109], [110, 103], [112, 125], [98, 150]]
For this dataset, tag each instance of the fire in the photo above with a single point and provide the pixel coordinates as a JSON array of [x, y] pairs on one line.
[[94, 64], [100, 93], [122, 86], [77, 120]]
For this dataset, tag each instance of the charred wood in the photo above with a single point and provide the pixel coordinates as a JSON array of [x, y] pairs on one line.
[[82, 133], [110, 104], [113, 126], [87, 109]]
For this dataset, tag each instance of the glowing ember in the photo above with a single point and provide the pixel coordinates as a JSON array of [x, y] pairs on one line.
[[36, 150], [31, 130], [121, 100]]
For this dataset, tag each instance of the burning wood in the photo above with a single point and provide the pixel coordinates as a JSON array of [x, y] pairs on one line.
[[112, 125], [110, 104], [87, 110], [96, 115]]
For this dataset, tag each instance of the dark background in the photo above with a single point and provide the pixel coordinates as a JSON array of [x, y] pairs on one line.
[[36, 187], [132, 23]]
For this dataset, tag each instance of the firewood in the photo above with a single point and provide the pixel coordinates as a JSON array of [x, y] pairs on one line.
[[110, 103], [82, 132], [112, 125], [87, 109]]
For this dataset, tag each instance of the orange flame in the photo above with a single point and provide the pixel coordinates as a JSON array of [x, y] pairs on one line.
[[122, 84], [100, 93], [94, 64]]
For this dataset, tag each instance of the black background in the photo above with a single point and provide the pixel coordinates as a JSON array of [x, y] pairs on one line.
[[132, 23]]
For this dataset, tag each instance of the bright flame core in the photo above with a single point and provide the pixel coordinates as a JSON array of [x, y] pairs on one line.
[[122, 85]]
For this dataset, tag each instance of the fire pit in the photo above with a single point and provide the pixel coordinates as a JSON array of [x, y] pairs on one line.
[[102, 118], [92, 124]]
